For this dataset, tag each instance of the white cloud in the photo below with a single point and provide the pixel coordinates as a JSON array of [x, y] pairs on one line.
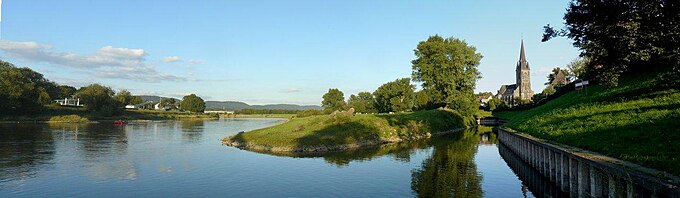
[[171, 59], [106, 62], [196, 62], [292, 90]]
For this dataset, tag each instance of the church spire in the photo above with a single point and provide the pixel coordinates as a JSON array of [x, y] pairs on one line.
[[522, 58], [522, 64]]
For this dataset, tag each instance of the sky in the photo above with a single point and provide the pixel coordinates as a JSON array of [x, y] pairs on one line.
[[270, 52]]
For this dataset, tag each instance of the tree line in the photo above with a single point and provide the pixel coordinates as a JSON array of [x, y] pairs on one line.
[[26, 92], [624, 37], [446, 70]]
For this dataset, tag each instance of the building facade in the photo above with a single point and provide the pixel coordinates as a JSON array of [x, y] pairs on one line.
[[522, 88]]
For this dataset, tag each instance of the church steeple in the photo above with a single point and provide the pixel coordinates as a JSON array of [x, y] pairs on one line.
[[524, 91], [522, 64], [521, 53]]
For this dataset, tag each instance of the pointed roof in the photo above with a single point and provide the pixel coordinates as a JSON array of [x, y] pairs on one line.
[[522, 64], [521, 53]]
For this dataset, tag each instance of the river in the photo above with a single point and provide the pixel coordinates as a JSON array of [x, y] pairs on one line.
[[186, 159]]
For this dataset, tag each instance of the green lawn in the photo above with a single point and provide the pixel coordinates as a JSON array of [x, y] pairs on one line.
[[638, 121], [340, 130]]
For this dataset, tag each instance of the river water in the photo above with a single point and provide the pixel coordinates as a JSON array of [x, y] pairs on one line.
[[186, 159]]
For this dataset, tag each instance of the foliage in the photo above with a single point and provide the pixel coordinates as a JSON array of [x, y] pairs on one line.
[[99, 98], [395, 96], [494, 104], [135, 100], [558, 77], [334, 100], [363, 102], [577, 68], [320, 130], [636, 121], [447, 68], [123, 97], [193, 103], [169, 102], [22, 90], [622, 37], [68, 118], [422, 101]]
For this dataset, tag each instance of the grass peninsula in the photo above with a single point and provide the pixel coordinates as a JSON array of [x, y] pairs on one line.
[[323, 133]]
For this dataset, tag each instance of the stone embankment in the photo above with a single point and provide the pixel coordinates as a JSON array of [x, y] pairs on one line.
[[586, 174]]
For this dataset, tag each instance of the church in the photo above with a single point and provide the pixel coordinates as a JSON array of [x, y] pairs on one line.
[[522, 87]]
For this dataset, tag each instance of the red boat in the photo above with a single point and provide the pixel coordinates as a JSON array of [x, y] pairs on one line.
[[120, 122]]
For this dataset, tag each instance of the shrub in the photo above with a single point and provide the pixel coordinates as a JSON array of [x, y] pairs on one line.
[[68, 118]]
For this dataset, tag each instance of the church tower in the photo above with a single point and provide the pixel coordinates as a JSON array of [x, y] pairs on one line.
[[523, 90]]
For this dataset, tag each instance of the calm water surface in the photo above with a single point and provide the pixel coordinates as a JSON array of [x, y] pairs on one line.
[[186, 159]]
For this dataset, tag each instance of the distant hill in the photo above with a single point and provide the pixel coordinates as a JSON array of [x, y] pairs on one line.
[[153, 98], [233, 106]]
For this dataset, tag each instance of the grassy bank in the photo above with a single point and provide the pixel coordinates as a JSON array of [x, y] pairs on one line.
[[638, 121], [340, 131], [72, 114], [287, 116]]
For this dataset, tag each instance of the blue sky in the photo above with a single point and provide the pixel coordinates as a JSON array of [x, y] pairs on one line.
[[263, 52]]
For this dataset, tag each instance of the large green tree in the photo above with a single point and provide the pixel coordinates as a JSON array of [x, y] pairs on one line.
[[422, 100], [123, 97], [333, 100], [99, 98], [192, 103], [22, 90], [363, 102], [66, 91], [623, 37], [395, 96], [447, 68]]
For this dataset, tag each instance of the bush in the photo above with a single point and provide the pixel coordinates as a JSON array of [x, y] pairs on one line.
[[68, 118]]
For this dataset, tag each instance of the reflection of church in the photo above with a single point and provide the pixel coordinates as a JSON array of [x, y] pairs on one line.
[[522, 88]]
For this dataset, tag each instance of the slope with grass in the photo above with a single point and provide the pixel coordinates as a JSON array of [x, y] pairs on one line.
[[324, 133], [638, 121]]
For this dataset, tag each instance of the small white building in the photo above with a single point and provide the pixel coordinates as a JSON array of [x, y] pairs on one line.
[[130, 107], [69, 102]]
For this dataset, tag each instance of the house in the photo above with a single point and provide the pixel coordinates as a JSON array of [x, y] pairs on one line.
[[69, 102], [158, 106], [482, 100]]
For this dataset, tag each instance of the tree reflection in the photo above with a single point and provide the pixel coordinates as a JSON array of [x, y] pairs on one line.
[[23, 149], [192, 130], [104, 148], [451, 170]]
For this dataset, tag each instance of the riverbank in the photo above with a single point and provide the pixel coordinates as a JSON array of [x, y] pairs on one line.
[[324, 133], [79, 115], [286, 116], [638, 121]]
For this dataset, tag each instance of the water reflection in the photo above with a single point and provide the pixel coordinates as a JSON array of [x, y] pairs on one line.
[[185, 158], [192, 130], [451, 170], [21, 154], [532, 180]]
